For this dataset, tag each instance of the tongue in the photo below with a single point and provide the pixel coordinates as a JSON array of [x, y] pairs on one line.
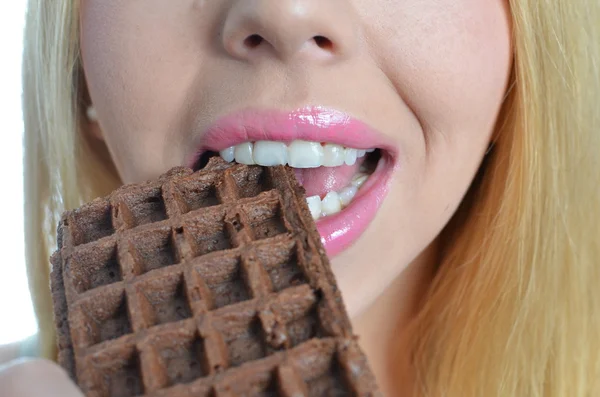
[[322, 180]]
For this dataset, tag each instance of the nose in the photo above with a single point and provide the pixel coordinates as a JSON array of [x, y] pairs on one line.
[[289, 29]]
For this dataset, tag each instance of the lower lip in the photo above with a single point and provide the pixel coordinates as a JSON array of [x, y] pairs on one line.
[[340, 231]]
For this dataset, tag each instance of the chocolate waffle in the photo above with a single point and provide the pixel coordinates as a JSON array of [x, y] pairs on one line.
[[208, 283]]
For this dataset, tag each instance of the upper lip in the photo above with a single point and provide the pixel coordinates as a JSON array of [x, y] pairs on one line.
[[317, 124]]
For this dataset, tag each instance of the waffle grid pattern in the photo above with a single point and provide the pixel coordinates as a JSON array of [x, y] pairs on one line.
[[210, 283]]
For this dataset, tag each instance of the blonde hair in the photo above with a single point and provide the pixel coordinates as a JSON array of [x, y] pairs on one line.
[[513, 310], [62, 168]]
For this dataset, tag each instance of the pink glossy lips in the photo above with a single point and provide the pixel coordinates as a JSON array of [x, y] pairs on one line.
[[298, 138]]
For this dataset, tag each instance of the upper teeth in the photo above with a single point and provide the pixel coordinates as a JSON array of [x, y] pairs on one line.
[[298, 154]]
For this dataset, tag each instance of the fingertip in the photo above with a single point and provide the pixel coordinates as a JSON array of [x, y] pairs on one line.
[[36, 377]]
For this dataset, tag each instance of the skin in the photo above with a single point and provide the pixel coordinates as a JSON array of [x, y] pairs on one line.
[[432, 78], [32, 377]]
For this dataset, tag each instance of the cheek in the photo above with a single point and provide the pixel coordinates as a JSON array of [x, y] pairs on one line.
[[448, 59], [450, 62], [132, 53]]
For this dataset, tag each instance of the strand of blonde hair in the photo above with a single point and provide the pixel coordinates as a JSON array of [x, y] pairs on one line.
[[61, 168], [514, 309]]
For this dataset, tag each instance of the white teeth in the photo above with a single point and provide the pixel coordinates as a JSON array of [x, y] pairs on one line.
[[359, 179], [299, 154], [303, 154], [243, 153], [347, 194], [228, 154], [350, 156], [270, 153], [314, 205], [333, 155], [331, 204]]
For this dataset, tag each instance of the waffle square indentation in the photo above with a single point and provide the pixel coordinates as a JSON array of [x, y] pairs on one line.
[[116, 373], [192, 194], [153, 249], [282, 264], [103, 319], [292, 318], [95, 266], [180, 356], [164, 299], [266, 219], [304, 327], [91, 222], [145, 206], [225, 279], [324, 374], [244, 338], [251, 181], [208, 234], [331, 382]]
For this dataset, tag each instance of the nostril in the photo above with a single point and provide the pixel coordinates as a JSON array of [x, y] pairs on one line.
[[253, 41], [323, 43]]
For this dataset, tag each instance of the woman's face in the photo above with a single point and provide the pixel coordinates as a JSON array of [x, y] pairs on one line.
[[310, 81]]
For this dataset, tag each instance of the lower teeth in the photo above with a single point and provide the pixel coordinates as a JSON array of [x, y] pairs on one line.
[[334, 202]]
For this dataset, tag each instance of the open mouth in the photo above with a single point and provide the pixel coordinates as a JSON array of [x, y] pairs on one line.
[[331, 174], [342, 164]]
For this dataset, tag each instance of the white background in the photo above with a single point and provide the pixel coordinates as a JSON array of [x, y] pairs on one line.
[[16, 314]]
